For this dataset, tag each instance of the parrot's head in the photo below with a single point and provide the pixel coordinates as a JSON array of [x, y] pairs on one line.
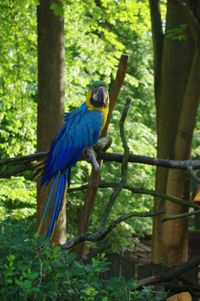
[[98, 94]]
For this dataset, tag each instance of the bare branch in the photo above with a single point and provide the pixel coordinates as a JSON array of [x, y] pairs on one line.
[[171, 273], [102, 144], [99, 235], [121, 73], [23, 161], [142, 191], [181, 215], [124, 168], [175, 164]]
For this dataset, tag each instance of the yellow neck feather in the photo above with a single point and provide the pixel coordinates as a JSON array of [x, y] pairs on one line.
[[103, 110]]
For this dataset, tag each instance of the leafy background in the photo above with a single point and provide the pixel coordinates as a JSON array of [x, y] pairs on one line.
[[96, 34]]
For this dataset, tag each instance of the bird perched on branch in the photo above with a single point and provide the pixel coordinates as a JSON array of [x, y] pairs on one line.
[[81, 129]]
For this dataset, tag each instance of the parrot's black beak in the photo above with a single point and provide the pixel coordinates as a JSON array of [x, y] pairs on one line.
[[100, 97]]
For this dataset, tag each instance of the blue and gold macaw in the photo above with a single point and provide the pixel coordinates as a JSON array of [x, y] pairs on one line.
[[81, 129]]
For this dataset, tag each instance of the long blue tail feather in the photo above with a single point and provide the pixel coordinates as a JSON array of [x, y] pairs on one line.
[[57, 203], [57, 192], [49, 200]]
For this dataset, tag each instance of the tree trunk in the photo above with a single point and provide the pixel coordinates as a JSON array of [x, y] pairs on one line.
[[50, 97], [175, 232], [177, 58]]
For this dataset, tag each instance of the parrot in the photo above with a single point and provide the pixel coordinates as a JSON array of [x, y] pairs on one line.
[[81, 129]]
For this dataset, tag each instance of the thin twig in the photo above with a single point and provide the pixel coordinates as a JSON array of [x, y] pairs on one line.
[[181, 215], [124, 168]]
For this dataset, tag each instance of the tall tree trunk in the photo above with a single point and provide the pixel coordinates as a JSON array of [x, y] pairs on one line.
[[176, 66], [175, 232], [50, 97]]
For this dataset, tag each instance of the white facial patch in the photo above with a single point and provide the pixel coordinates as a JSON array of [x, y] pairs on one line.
[[95, 96]]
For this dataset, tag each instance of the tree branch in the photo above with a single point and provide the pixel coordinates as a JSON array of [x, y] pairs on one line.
[[124, 167], [141, 191], [181, 215], [23, 161], [171, 273], [121, 73], [99, 235], [94, 178]]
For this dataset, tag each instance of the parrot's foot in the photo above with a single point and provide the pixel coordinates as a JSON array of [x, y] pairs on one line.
[[92, 158]]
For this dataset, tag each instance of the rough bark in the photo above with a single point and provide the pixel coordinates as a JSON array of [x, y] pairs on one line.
[[50, 96], [176, 63]]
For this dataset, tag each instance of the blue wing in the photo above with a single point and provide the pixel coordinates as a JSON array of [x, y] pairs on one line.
[[81, 129]]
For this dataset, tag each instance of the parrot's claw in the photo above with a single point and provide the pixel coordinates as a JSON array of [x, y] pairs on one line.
[[92, 158]]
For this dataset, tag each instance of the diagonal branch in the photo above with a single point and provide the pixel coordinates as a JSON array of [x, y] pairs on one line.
[[99, 235], [172, 273], [120, 76], [94, 178]]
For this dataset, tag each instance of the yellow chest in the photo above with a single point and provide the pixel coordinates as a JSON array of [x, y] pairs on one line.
[[103, 110]]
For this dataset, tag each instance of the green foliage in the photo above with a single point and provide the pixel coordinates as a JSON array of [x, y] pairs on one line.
[[97, 33], [178, 33], [42, 272], [17, 198], [17, 77], [148, 294]]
